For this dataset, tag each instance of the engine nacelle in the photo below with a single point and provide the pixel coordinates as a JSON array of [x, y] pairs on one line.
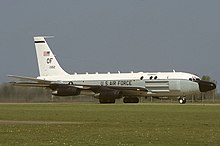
[[69, 91], [109, 94]]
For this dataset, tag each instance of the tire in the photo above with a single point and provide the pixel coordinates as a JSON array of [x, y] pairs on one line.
[[182, 100]]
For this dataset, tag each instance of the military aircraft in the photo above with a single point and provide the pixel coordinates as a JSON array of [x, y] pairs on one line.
[[110, 86]]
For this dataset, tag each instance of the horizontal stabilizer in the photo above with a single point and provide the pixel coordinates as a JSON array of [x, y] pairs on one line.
[[29, 79], [28, 84]]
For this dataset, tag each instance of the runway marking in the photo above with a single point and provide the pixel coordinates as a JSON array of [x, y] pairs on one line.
[[12, 122], [36, 122]]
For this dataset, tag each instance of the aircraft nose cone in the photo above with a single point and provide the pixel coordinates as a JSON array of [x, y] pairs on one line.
[[205, 86]]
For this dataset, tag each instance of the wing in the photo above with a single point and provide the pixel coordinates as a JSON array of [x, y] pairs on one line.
[[34, 82], [96, 88]]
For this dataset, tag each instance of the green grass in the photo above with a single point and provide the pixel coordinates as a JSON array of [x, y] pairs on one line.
[[118, 124]]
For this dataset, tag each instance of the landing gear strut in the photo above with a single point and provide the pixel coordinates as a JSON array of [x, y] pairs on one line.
[[182, 100]]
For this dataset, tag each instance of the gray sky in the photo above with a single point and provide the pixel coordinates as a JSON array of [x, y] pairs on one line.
[[112, 35]]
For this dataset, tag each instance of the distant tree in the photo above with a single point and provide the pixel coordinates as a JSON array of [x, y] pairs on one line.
[[210, 94], [10, 93], [206, 78]]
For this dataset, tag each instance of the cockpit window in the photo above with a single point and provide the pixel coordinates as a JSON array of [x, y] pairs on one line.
[[194, 79]]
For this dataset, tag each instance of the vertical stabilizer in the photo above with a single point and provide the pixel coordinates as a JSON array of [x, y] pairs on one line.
[[47, 63]]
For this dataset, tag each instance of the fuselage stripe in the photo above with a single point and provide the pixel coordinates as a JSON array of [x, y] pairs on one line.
[[39, 42]]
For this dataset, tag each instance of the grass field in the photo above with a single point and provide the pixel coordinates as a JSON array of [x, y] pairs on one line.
[[118, 124]]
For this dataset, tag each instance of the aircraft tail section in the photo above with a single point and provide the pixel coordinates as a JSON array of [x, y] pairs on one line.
[[47, 63]]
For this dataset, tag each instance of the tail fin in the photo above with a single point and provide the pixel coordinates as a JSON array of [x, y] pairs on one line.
[[47, 63]]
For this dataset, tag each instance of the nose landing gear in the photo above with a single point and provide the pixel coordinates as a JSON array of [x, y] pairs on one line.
[[182, 100]]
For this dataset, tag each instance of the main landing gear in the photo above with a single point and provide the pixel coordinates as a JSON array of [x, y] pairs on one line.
[[182, 100], [125, 100]]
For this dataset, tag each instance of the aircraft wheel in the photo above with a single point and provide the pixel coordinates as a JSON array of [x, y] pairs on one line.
[[182, 100]]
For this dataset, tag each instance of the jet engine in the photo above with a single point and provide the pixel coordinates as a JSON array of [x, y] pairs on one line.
[[109, 94], [68, 91]]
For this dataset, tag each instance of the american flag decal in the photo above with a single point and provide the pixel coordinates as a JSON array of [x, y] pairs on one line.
[[46, 53]]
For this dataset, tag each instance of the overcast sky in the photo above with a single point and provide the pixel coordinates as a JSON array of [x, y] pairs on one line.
[[111, 35]]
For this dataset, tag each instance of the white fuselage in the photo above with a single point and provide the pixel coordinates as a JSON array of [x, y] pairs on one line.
[[155, 83]]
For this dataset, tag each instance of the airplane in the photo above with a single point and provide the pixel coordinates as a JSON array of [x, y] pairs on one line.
[[107, 87]]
